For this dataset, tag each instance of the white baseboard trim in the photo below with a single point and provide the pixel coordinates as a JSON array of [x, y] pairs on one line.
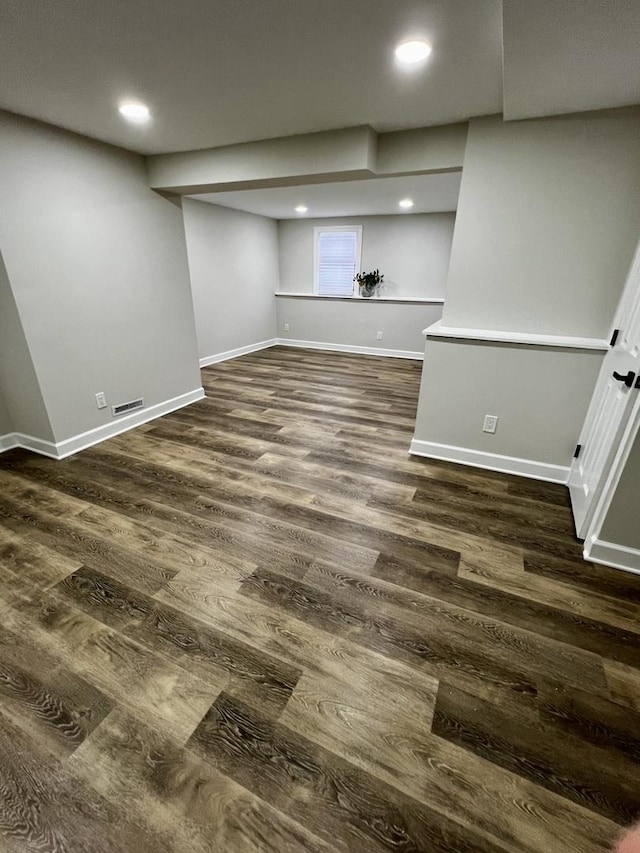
[[62, 449], [9, 441], [610, 554], [37, 445], [234, 353], [491, 461], [387, 353]]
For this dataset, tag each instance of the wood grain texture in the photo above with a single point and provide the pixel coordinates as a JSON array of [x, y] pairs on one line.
[[257, 625]]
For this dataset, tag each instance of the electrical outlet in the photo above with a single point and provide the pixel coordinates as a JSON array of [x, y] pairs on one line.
[[379, 336], [286, 327], [490, 423], [101, 400]]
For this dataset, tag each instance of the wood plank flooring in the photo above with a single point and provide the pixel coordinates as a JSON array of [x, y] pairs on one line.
[[258, 626]]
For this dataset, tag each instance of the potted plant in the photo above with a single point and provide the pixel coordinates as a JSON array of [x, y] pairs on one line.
[[368, 282]]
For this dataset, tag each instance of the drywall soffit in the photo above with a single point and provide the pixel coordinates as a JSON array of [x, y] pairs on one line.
[[349, 154]]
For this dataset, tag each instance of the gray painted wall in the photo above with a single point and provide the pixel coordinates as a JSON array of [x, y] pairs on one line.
[[25, 410], [233, 260], [621, 524], [412, 251], [6, 423], [98, 266], [548, 221], [540, 395], [356, 322]]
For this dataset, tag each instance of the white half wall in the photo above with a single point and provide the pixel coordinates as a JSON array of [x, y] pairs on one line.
[[540, 395], [356, 323], [233, 262], [98, 269]]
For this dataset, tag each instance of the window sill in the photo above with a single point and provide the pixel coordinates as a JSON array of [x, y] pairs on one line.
[[414, 299]]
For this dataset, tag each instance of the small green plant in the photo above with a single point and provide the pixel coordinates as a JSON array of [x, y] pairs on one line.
[[368, 281]]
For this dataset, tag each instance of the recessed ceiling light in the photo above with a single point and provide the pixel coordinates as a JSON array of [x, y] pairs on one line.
[[136, 111], [413, 51], [406, 203], [301, 208]]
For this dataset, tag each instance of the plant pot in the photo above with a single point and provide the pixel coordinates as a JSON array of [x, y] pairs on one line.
[[367, 291]]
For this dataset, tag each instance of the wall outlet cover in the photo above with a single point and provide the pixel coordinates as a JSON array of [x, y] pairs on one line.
[[490, 423], [101, 400]]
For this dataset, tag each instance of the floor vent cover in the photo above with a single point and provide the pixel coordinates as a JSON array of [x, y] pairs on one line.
[[123, 408]]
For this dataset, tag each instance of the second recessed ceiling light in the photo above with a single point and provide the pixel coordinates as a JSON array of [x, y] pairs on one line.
[[412, 51], [134, 111]]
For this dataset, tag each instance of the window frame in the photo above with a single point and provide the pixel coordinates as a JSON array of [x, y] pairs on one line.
[[321, 229]]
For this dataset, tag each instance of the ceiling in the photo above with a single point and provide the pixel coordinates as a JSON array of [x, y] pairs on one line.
[[430, 194], [563, 56], [216, 72], [222, 71]]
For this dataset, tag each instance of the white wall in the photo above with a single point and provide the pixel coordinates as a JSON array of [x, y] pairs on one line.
[[21, 396], [548, 221], [233, 260], [411, 250], [98, 267]]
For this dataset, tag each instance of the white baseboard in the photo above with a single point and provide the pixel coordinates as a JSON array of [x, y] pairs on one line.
[[387, 353], [610, 554], [491, 461], [234, 353], [62, 449], [37, 445], [9, 441]]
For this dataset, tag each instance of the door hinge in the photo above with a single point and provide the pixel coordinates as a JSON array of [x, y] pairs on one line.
[[614, 337], [577, 451]]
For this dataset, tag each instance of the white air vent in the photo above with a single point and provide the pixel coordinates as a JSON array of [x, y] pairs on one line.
[[123, 408]]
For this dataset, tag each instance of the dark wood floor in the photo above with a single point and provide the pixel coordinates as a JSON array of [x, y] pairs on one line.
[[258, 625]]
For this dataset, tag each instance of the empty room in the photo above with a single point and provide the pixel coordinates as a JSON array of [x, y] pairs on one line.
[[320, 426]]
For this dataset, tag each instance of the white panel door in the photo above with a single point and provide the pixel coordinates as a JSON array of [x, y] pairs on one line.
[[617, 387]]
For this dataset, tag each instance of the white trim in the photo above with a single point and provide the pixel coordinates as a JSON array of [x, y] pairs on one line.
[[613, 476], [388, 353], [234, 353], [9, 441], [610, 554], [354, 298], [37, 445], [438, 330], [62, 449], [491, 461]]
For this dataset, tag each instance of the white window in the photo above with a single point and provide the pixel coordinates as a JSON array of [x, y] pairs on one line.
[[336, 259]]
